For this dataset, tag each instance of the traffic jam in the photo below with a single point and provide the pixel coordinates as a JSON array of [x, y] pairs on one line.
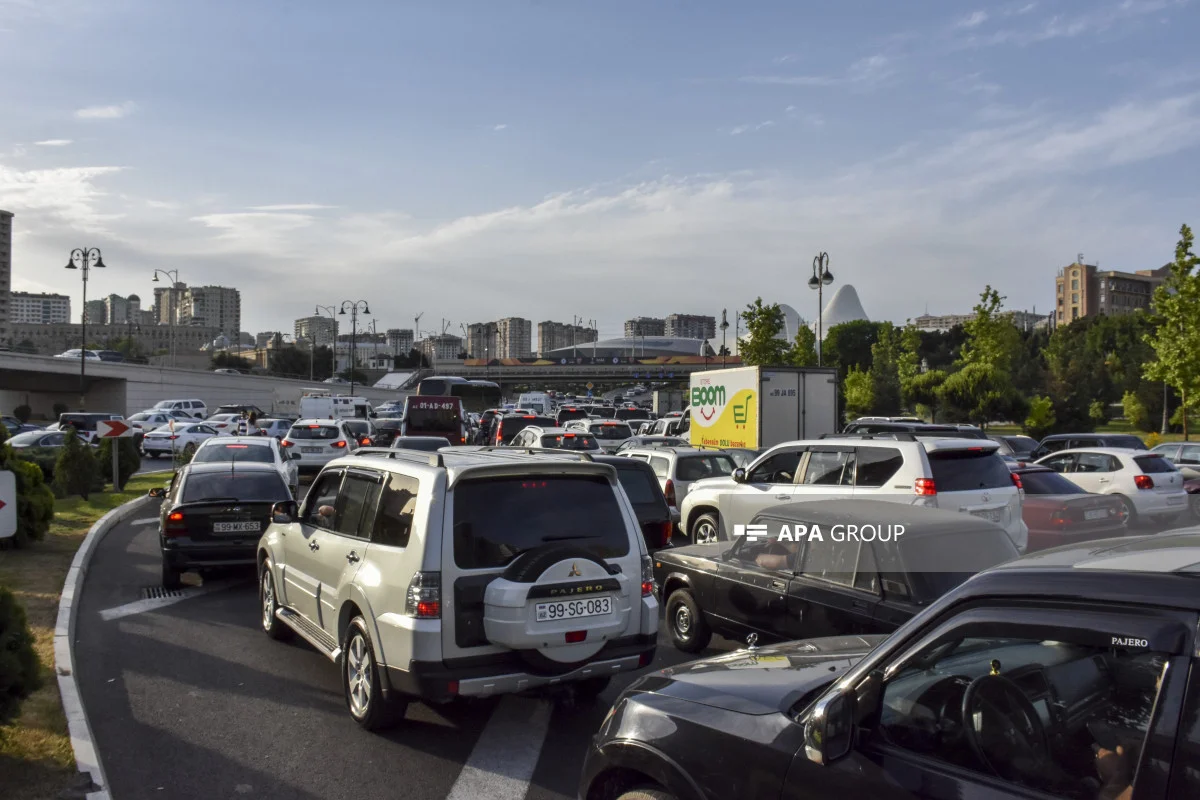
[[738, 596]]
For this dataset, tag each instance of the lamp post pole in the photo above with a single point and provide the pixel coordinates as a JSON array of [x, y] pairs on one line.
[[821, 277], [331, 311], [84, 259], [353, 306], [724, 327], [173, 274]]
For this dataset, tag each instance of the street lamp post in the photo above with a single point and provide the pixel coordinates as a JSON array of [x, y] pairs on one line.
[[821, 278], [353, 306], [724, 327], [173, 274], [331, 311], [84, 259]]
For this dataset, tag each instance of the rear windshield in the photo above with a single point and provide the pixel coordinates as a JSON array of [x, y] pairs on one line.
[[326, 432], [358, 427], [234, 452], [965, 470], [1021, 442], [571, 441], [387, 424], [1048, 483], [641, 486], [428, 444], [566, 414], [694, 468], [258, 487], [967, 551], [27, 438], [497, 519], [81, 422], [1152, 464], [439, 420], [511, 426], [611, 430], [629, 413], [1132, 442]]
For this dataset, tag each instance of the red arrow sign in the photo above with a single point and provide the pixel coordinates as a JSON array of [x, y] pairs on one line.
[[113, 429], [2, 504]]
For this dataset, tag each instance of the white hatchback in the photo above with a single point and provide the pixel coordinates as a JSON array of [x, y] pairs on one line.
[[1148, 483], [317, 442], [235, 450], [182, 437]]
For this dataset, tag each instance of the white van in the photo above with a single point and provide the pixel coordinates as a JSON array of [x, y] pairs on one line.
[[539, 402], [323, 405], [193, 408]]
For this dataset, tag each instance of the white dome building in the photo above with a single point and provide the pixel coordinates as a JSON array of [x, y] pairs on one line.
[[792, 322], [844, 306]]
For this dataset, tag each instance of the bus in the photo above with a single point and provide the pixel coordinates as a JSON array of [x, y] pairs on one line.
[[476, 396]]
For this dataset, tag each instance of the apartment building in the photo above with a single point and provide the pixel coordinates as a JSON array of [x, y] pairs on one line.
[[555, 335], [400, 341], [40, 309], [645, 326], [690, 326], [317, 329], [1081, 290], [482, 340], [514, 338]]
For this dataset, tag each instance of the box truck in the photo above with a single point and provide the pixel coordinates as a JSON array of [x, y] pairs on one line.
[[666, 401], [758, 407]]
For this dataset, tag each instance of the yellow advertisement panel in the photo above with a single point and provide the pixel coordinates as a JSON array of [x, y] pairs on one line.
[[724, 407]]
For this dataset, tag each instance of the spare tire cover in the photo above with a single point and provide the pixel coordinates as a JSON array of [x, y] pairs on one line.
[[576, 592]]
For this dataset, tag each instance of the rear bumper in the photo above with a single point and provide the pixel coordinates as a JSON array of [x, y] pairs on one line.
[[1151, 502], [192, 555], [439, 681], [1044, 539]]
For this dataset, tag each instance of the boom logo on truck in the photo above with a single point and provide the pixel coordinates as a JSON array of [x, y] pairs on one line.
[[707, 399]]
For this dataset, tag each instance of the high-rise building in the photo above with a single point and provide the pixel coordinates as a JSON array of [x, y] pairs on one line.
[[6, 218], [482, 340], [400, 341], [40, 309], [147, 316], [514, 338], [168, 303], [690, 326], [97, 312], [122, 310], [319, 329], [555, 335], [217, 307], [442, 347], [1081, 290], [1023, 320], [645, 326]]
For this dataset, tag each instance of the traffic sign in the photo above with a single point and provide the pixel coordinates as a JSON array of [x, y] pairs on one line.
[[113, 429], [8, 505], [591, 386]]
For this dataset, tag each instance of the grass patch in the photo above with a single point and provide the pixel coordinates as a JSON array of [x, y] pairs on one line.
[[36, 761]]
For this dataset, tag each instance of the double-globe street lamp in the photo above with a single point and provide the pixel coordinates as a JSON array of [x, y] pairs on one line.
[[821, 278], [173, 274], [353, 306], [84, 259]]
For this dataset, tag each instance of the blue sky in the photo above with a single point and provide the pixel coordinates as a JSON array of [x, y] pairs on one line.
[[608, 158]]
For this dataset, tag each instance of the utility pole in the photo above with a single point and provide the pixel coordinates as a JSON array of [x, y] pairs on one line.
[[417, 335], [84, 259], [724, 327]]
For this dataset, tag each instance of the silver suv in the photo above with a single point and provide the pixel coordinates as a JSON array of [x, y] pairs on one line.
[[467, 573], [678, 468]]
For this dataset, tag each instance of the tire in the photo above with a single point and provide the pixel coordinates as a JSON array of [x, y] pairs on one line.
[[361, 683], [268, 603], [689, 630], [646, 793], [170, 577], [589, 689], [706, 528], [1131, 515]]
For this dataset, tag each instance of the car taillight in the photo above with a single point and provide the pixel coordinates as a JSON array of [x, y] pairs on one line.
[[424, 600], [173, 436], [176, 525], [647, 576], [287, 443], [1060, 516], [365, 442], [925, 487], [1017, 480], [339, 443], [1143, 481], [669, 491]]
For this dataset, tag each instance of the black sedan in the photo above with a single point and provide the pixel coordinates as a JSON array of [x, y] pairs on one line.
[[386, 431], [213, 514], [769, 583]]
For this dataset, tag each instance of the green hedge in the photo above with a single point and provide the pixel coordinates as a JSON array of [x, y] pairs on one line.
[[75, 472], [128, 459], [18, 662]]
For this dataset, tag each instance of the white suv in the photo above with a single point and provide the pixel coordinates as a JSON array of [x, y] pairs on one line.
[[460, 573], [611, 433], [958, 474], [317, 442]]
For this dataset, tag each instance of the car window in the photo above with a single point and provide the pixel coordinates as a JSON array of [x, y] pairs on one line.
[[1049, 483], [397, 504], [966, 470], [322, 432], [779, 468], [1154, 464], [355, 506], [831, 561], [1093, 462], [640, 485], [324, 492], [866, 576], [694, 468], [660, 465], [767, 552], [829, 468], [1189, 454], [1059, 463], [875, 466], [1007, 687], [1052, 446]]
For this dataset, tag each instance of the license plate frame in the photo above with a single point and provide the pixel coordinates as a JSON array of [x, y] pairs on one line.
[[250, 526], [586, 608], [990, 514], [311, 450], [1093, 514]]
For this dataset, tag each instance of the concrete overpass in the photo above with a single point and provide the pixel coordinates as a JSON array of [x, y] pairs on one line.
[[558, 374], [43, 381]]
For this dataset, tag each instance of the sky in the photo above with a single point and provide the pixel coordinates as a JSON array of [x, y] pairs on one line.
[[474, 159]]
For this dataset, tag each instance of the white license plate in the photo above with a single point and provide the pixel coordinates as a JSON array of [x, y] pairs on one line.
[[990, 514], [1097, 513], [234, 527], [312, 449], [573, 609], [1176, 500]]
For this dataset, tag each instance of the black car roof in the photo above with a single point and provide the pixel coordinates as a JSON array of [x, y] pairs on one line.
[[917, 520]]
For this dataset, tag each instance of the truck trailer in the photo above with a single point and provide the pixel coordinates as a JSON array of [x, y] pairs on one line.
[[760, 407]]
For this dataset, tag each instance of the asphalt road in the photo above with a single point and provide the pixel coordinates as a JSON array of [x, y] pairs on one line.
[[192, 700]]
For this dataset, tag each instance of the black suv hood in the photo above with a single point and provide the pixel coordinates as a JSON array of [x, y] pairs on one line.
[[763, 681]]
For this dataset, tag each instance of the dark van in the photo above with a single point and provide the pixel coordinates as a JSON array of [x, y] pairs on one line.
[[427, 415]]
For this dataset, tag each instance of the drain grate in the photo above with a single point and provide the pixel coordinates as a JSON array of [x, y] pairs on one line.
[[158, 593]]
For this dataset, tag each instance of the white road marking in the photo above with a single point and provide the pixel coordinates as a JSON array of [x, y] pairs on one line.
[[502, 763], [155, 603], [145, 521]]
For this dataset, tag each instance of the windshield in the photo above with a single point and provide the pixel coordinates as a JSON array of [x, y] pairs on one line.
[[968, 551], [324, 432], [641, 485], [1021, 443], [141, 417], [1048, 483], [212, 451], [604, 412], [244, 487], [611, 430], [360, 428], [571, 441], [427, 443]]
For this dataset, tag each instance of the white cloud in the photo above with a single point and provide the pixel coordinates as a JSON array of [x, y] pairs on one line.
[[974, 84], [1099, 19], [500, 127], [53, 143], [69, 197], [869, 70], [740, 129], [292, 207], [107, 112], [973, 20]]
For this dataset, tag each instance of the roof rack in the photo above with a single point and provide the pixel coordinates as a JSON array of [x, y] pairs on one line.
[[533, 451], [896, 436], [435, 459]]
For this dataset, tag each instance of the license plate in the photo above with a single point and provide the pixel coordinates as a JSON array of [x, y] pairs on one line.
[[1097, 513], [990, 514], [311, 449], [1176, 500], [234, 527], [573, 609]]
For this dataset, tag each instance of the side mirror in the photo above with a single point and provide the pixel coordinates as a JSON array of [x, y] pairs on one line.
[[829, 732], [284, 513], [739, 475], [158, 492]]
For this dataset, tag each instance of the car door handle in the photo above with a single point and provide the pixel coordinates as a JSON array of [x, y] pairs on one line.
[[783, 497], [352, 557], [778, 585], [314, 546]]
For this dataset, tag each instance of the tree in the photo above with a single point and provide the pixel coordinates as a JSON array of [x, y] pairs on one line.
[[415, 359], [724, 350], [1135, 411], [804, 348], [293, 362], [128, 460], [849, 345], [1040, 420], [225, 360], [25, 346], [1098, 412], [992, 339], [35, 501], [980, 392], [356, 375], [75, 470], [762, 345], [1176, 341], [18, 662], [885, 377], [925, 389], [859, 392], [23, 412]]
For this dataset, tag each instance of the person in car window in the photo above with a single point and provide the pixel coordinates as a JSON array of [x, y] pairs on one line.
[[1115, 768], [778, 555]]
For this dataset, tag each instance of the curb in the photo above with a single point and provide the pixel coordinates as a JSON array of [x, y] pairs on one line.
[[87, 760]]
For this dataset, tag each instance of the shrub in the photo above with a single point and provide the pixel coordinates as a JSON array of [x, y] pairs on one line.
[[1135, 410], [35, 502], [1097, 412], [18, 663], [23, 412], [75, 471], [1153, 439], [59, 410], [128, 460], [1041, 417]]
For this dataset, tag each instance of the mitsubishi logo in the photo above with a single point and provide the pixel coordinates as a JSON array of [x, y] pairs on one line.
[[574, 573], [986, 497]]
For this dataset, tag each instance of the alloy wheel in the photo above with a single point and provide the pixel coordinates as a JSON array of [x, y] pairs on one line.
[[705, 533], [268, 599], [358, 675], [683, 620]]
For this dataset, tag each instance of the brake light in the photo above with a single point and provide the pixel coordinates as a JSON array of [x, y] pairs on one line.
[[173, 436], [424, 599], [365, 441], [175, 525], [1017, 481], [314, 427], [647, 576], [339, 443], [575, 637], [1059, 517], [527, 416], [236, 446], [287, 443], [925, 487], [568, 436], [1143, 481], [533, 484], [669, 491]]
